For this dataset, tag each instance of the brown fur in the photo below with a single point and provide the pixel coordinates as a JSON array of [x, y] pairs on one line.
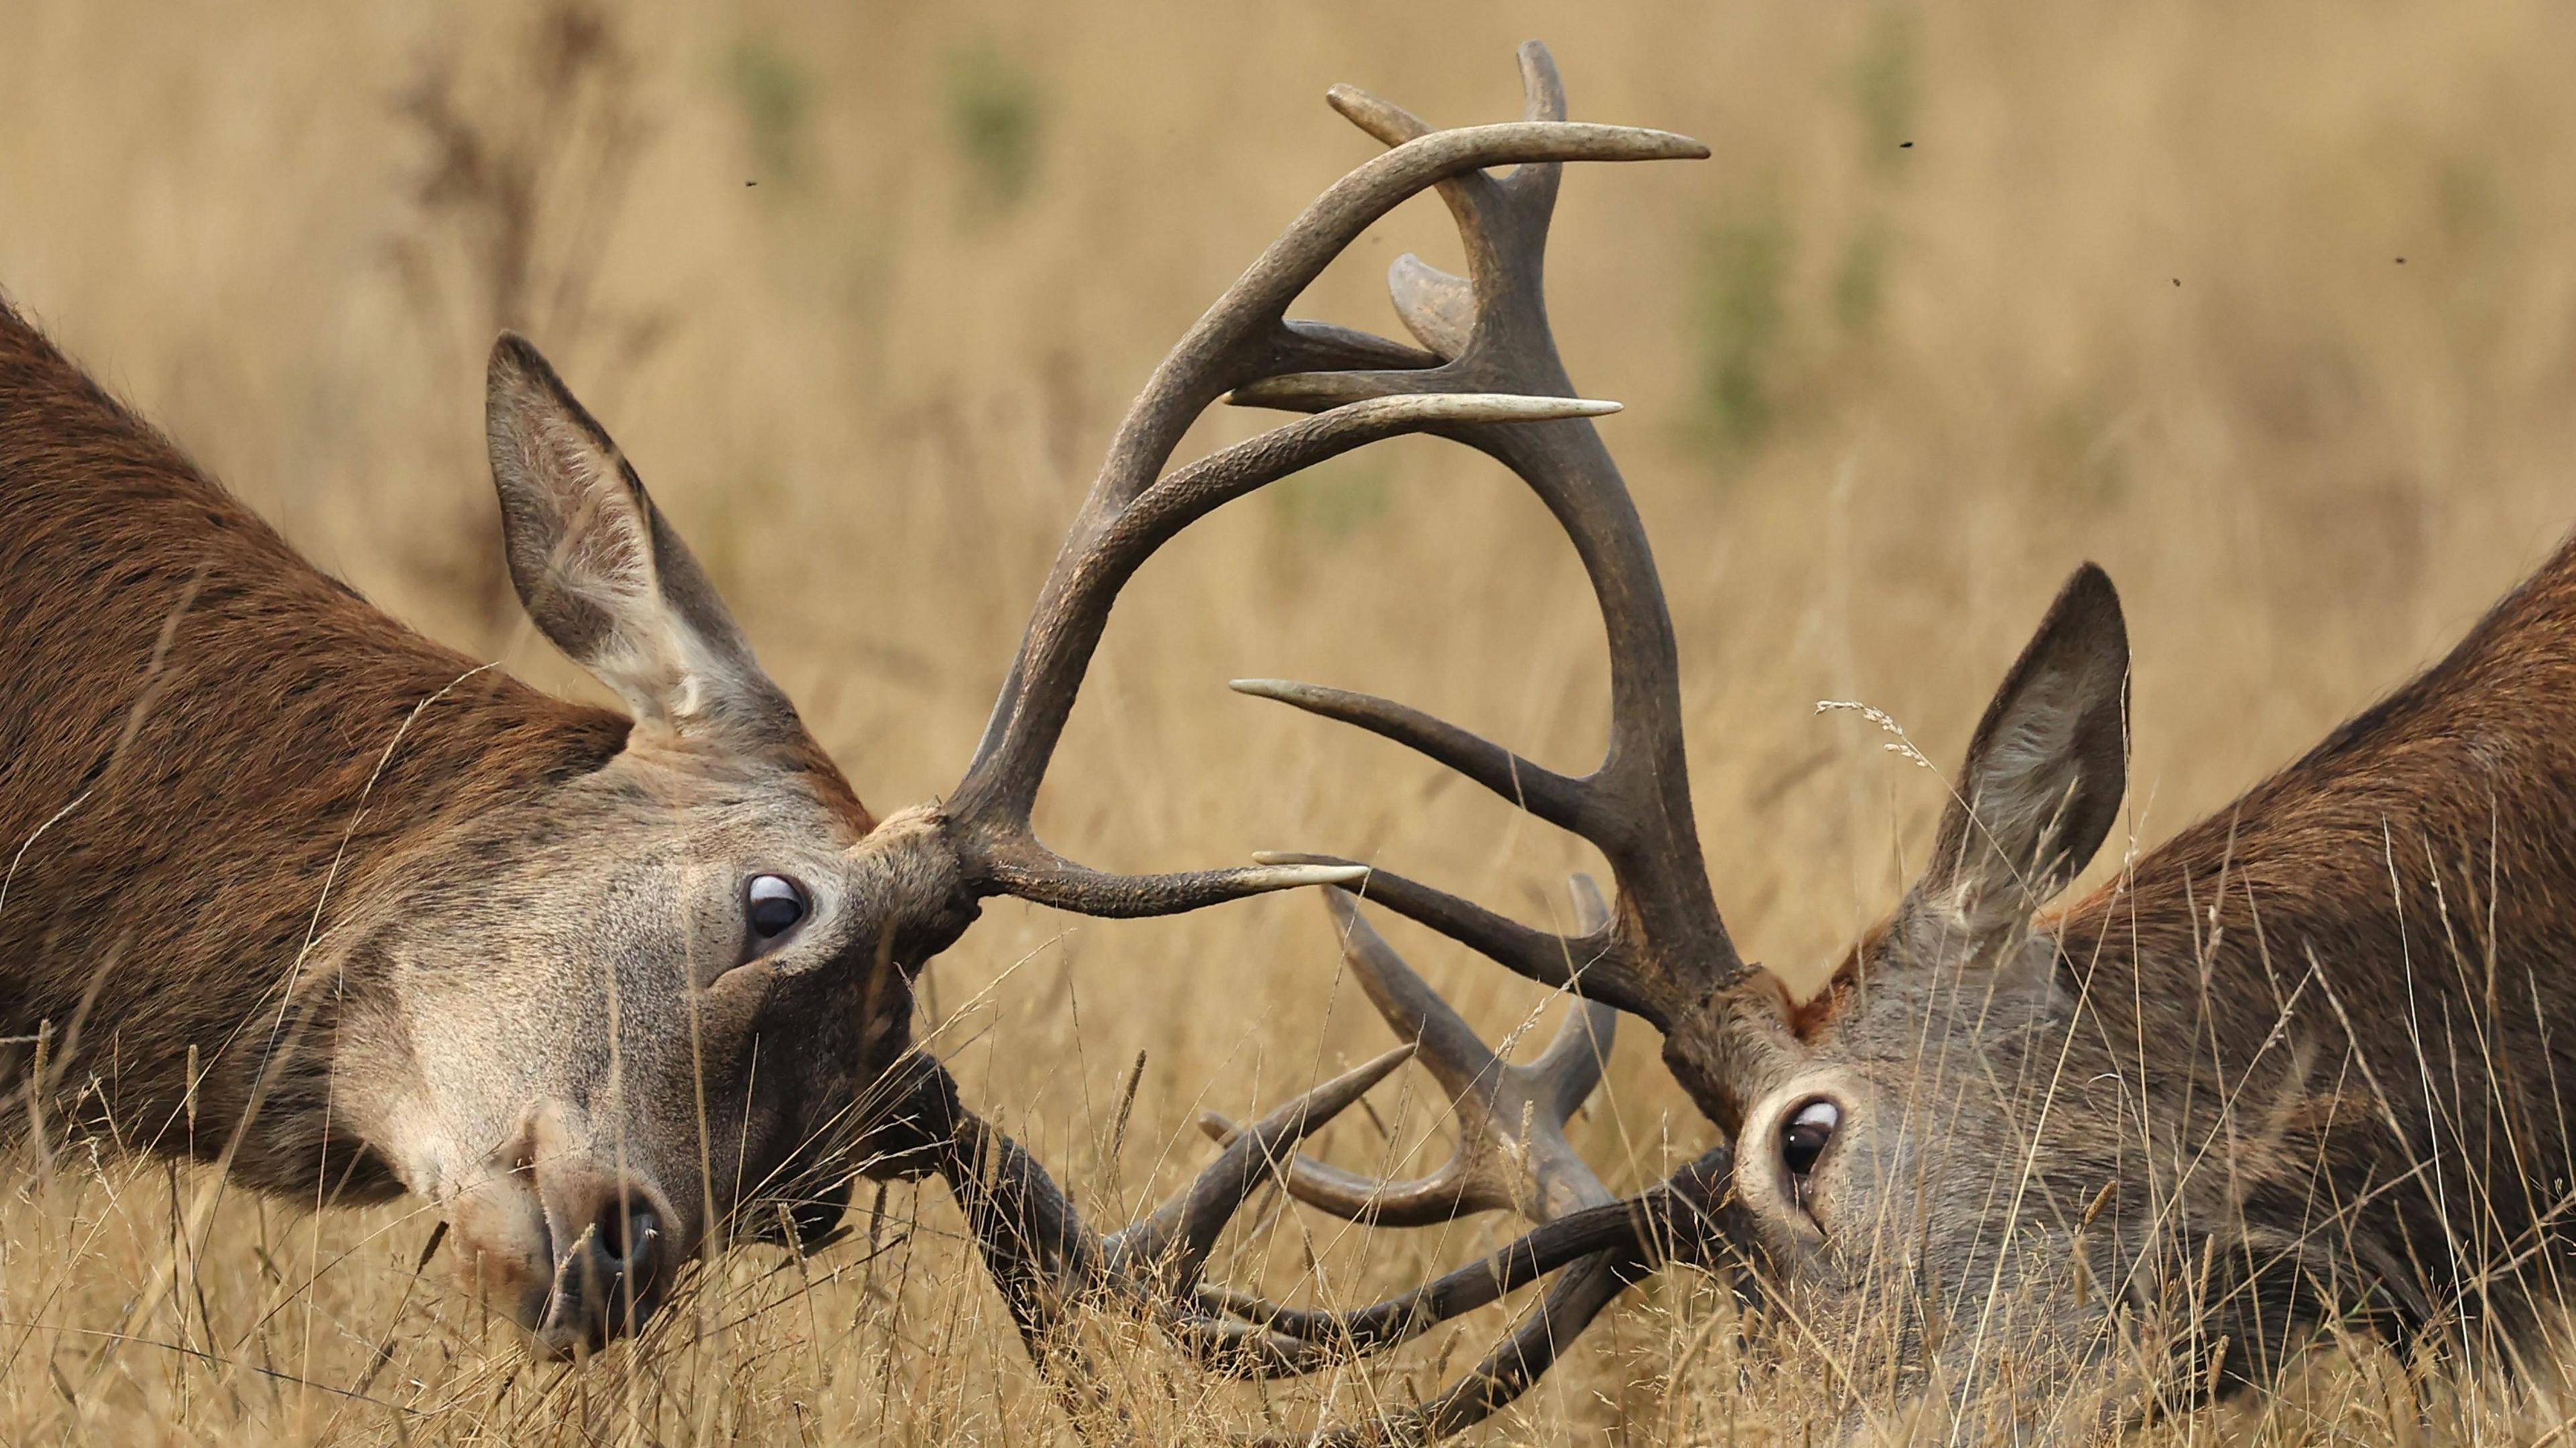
[[2309, 1062], [2422, 861], [214, 797], [407, 914]]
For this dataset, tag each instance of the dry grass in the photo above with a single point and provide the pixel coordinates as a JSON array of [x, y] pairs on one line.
[[2272, 310]]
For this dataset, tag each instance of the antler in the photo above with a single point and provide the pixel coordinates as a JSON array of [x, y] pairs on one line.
[[1045, 1261], [1490, 378], [1135, 506], [1512, 1152], [1665, 950], [1683, 1219]]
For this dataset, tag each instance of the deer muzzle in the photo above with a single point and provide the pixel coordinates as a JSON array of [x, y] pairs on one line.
[[575, 1247]]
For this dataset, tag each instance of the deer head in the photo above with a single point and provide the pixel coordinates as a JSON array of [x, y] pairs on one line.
[[1915, 1160], [644, 1012]]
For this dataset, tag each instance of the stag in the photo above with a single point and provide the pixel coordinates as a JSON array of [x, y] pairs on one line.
[[290, 889], [2289, 1074]]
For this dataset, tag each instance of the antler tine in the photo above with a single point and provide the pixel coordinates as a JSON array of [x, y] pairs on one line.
[[1390, 123], [1542, 791], [1667, 948], [1542, 87], [1684, 1218], [1512, 1151], [1173, 1243], [1043, 1258], [1134, 507], [1597, 965], [1571, 1066]]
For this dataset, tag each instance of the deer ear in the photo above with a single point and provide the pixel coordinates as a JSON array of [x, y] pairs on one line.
[[601, 571], [2044, 777]]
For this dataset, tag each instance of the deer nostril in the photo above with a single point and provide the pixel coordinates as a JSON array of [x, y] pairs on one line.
[[612, 1280], [630, 1233]]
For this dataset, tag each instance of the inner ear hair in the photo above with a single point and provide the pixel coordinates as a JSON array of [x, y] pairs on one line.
[[604, 575], [2043, 780], [1995, 888]]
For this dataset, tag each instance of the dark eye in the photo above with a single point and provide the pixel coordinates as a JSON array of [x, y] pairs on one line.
[[773, 904], [1803, 1139]]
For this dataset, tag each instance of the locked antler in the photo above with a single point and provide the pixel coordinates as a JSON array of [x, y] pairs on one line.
[[1512, 1152], [1047, 1262], [1490, 378]]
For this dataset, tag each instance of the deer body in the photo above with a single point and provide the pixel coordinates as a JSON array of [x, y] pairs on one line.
[[2410, 882]]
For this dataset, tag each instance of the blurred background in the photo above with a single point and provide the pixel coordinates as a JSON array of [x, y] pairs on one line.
[[2271, 310]]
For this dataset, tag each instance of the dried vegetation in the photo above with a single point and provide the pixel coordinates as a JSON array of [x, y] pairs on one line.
[[2270, 309]]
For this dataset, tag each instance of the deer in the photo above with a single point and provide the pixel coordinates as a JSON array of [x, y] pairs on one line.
[[616, 992], [293, 891], [2050, 1164]]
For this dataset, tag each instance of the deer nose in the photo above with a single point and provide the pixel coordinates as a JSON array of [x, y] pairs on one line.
[[613, 1269]]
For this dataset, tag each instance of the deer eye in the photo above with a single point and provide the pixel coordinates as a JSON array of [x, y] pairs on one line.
[[1803, 1139], [773, 904]]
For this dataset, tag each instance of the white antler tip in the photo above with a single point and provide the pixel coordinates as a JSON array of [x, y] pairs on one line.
[[1275, 875], [1288, 690], [1507, 407]]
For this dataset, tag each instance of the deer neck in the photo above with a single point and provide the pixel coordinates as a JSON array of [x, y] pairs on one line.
[[213, 752]]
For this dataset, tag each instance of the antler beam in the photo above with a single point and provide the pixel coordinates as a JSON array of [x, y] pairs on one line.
[[1135, 506], [1665, 951]]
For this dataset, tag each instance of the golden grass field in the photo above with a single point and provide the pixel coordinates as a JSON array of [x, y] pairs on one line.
[[2272, 310]]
